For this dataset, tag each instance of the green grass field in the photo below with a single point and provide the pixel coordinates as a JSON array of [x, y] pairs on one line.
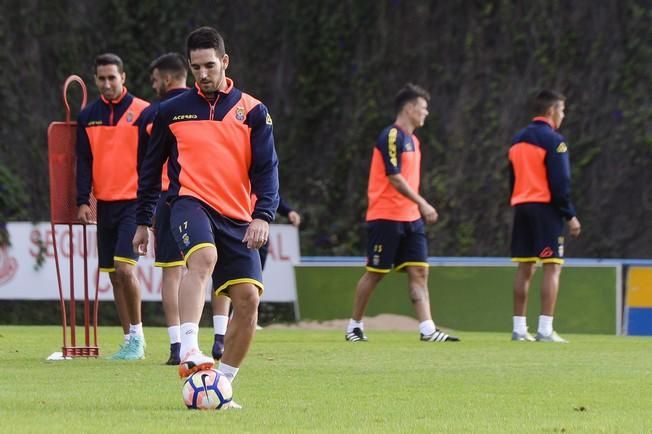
[[314, 381]]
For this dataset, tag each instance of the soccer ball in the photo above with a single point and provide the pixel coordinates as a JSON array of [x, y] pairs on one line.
[[207, 390]]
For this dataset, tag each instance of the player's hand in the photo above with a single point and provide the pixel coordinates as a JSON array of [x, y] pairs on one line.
[[84, 214], [294, 218], [428, 212], [141, 238], [257, 234], [574, 227]]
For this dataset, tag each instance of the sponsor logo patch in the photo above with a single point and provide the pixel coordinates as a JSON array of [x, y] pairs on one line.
[[546, 253]]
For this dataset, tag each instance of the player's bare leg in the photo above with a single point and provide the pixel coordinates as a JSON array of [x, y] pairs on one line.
[[220, 305], [366, 286], [550, 288], [549, 291], [171, 279], [418, 291], [420, 298], [522, 280], [363, 290], [245, 299], [125, 274], [120, 302], [200, 266]]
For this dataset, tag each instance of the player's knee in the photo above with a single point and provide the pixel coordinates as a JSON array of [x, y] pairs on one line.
[[202, 261], [419, 294], [245, 299], [528, 269], [122, 274], [418, 276]]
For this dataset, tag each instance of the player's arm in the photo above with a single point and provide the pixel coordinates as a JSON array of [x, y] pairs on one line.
[[559, 181], [263, 175], [512, 180], [145, 125], [391, 147], [428, 212], [149, 180], [84, 178], [286, 210]]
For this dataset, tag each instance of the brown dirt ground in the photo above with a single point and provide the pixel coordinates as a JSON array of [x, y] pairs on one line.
[[384, 321]]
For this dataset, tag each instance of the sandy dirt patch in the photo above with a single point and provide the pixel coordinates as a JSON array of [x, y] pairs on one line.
[[385, 321]]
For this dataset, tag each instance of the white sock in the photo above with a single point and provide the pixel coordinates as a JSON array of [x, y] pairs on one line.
[[520, 325], [427, 327], [229, 371], [189, 338], [126, 338], [174, 332], [353, 324], [545, 325], [220, 322], [136, 329]]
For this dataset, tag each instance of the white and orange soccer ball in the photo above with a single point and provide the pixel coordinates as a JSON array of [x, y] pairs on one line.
[[207, 390]]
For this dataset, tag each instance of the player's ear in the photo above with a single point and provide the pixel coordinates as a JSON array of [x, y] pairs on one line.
[[225, 61]]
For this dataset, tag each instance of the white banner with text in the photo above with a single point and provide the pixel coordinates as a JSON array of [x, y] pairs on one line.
[[28, 270]]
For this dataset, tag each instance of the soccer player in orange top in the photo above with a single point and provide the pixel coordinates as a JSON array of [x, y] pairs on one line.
[[395, 217], [220, 145], [541, 181], [168, 74], [107, 147]]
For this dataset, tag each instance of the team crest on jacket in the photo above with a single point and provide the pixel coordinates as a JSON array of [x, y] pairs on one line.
[[240, 113], [130, 116], [409, 147]]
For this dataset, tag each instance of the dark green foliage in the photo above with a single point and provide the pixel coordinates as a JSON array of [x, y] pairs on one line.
[[328, 71], [13, 199]]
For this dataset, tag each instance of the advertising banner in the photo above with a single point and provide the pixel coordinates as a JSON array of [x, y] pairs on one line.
[[28, 271]]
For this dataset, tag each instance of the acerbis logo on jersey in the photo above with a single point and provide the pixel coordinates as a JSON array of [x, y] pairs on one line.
[[184, 117], [562, 148]]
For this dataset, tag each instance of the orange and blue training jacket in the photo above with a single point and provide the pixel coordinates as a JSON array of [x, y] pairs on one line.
[[145, 131], [219, 152], [540, 168], [107, 148], [396, 152]]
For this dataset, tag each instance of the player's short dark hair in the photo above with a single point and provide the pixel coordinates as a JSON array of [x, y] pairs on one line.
[[409, 93], [171, 63], [109, 59], [544, 100], [205, 37]]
